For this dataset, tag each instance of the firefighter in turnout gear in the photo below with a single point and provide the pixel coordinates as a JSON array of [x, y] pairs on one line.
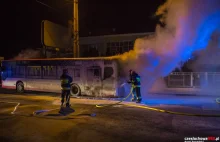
[[66, 81], [136, 84]]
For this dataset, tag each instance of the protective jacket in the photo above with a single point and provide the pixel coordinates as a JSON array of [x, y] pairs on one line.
[[66, 81], [135, 79]]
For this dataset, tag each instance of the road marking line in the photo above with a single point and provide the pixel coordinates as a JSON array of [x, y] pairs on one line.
[[13, 112]]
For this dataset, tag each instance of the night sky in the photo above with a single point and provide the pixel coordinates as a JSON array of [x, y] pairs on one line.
[[21, 19]]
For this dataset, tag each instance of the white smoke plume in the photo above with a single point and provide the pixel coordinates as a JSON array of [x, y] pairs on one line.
[[207, 62], [209, 57], [28, 54], [188, 28]]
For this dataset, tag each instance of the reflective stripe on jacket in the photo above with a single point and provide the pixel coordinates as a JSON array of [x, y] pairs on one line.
[[66, 82], [135, 79], [65, 88], [134, 86]]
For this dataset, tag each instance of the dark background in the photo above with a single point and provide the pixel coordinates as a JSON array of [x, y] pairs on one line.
[[21, 19]]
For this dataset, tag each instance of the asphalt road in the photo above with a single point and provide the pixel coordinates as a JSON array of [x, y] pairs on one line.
[[113, 124]]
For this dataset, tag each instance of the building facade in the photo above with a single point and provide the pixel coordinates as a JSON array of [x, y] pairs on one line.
[[108, 45]]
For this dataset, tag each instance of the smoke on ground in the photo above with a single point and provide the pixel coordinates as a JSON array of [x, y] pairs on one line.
[[29, 54], [189, 25]]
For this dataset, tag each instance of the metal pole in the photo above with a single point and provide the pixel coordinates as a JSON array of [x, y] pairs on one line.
[[191, 79], [75, 29], [78, 51]]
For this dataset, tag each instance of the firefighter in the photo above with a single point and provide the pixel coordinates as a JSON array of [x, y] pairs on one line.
[[66, 81], [135, 82]]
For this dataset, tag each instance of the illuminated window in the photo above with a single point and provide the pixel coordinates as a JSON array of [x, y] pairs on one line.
[[114, 48], [91, 50]]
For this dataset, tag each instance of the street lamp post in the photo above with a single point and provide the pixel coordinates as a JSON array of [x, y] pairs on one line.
[[75, 29]]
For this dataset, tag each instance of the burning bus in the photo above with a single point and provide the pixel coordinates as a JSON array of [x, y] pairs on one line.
[[91, 76]]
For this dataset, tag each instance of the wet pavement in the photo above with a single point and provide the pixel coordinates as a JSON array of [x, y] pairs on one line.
[[121, 122]]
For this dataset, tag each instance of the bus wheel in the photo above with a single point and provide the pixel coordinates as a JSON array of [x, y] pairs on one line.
[[75, 90], [20, 87]]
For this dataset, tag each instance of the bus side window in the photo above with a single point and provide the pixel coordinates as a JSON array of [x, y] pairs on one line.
[[90, 73], [49, 71], [34, 71], [76, 73], [13, 71], [38, 71], [96, 72], [20, 70], [108, 72], [45, 71], [3, 68], [4, 73], [52, 71]]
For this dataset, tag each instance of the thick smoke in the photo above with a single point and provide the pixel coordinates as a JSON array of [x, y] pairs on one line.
[[208, 58], [29, 54], [189, 25]]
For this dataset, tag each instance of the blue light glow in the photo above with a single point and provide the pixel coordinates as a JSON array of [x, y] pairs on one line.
[[189, 27], [206, 29]]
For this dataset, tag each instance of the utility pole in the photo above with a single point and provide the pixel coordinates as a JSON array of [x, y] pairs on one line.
[[75, 29]]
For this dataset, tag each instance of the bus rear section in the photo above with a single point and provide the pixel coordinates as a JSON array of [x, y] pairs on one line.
[[90, 77], [99, 78]]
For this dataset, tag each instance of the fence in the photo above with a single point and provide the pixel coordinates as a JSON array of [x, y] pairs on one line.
[[192, 79]]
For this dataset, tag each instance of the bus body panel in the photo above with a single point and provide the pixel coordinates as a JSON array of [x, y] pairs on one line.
[[94, 77], [11, 82], [109, 84]]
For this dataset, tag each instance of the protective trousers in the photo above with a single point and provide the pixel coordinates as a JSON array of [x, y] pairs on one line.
[[65, 95], [136, 94]]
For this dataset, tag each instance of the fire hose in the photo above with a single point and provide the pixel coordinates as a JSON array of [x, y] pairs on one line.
[[131, 105], [107, 105], [156, 109]]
